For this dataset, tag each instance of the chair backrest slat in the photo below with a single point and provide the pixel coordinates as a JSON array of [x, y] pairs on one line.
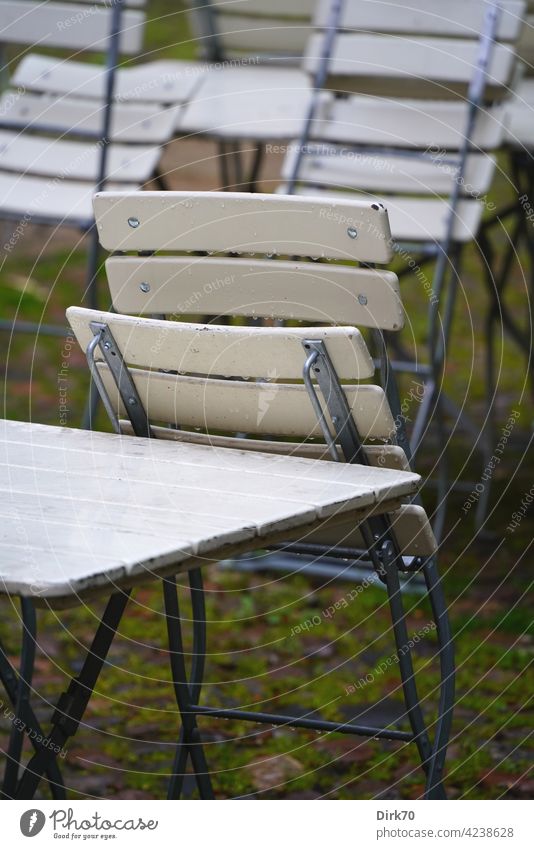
[[243, 223], [428, 65], [388, 122], [280, 409], [224, 286], [68, 25], [334, 165], [456, 18], [245, 352]]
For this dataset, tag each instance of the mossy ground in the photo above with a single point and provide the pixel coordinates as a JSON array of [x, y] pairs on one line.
[[258, 656]]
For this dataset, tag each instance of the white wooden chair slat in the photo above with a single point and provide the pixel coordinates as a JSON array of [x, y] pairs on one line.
[[243, 222], [277, 9], [410, 523], [134, 4], [304, 291], [336, 165], [359, 60], [254, 102], [383, 456], [154, 82], [60, 563], [280, 409], [425, 17], [36, 198], [142, 124], [40, 155], [406, 123], [68, 25], [520, 132], [268, 352], [418, 219]]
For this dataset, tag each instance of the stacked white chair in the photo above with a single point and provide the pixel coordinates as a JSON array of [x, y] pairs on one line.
[[245, 87], [414, 116], [58, 149], [296, 391]]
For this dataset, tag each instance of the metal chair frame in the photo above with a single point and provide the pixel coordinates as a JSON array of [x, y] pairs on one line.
[[87, 227], [447, 257], [383, 554]]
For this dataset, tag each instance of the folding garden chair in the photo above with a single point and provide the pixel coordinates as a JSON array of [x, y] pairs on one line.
[[502, 317], [420, 134], [260, 94], [56, 151], [292, 389], [245, 86]]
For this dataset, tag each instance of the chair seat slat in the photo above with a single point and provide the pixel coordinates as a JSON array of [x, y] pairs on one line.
[[129, 122], [157, 82], [40, 155], [336, 165]]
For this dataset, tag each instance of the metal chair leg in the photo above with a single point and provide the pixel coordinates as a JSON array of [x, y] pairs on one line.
[[25, 718], [434, 786], [73, 702], [189, 742], [402, 642], [16, 737]]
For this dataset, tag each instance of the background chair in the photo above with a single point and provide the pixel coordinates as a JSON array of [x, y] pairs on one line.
[[419, 134], [245, 87], [502, 317], [56, 151]]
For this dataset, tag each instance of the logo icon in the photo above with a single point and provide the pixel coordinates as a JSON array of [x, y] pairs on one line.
[[32, 822]]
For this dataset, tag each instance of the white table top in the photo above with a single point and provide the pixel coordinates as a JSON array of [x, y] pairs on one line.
[[83, 511]]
